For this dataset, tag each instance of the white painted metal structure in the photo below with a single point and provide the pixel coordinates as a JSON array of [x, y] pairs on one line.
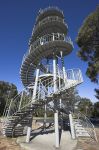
[[43, 74]]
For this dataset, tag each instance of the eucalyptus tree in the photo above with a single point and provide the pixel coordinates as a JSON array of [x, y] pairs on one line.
[[88, 41]]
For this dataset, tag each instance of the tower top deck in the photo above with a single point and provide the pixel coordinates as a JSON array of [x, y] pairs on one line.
[[50, 11]]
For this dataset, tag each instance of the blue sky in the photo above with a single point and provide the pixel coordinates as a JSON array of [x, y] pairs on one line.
[[17, 18]]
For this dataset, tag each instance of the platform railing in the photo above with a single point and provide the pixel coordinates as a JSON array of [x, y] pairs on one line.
[[49, 8], [46, 39], [48, 19], [50, 38]]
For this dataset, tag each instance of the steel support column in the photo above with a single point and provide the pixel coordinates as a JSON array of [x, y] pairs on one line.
[[72, 126], [45, 116], [35, 85], [63, 67], [33, 100], [55, 103]]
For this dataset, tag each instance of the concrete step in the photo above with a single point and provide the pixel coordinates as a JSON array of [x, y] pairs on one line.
[[79, 127], [82, 135]]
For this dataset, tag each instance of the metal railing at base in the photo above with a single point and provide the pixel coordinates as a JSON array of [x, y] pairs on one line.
[[86, 123]]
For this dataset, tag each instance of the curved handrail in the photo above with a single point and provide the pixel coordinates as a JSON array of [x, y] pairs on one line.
[[88, 125], [48, 19], [49, 8], [50, 38]]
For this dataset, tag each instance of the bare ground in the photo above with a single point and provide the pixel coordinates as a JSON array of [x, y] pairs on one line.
[[82, 144]]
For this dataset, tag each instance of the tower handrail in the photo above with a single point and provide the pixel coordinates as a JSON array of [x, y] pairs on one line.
[[85, 121], [49, 18], [45, 39], [50, 38]]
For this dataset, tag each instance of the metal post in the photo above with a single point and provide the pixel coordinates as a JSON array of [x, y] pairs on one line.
[[72, 126], [45, 116], [21, 100], [54, 74], [28, 134], [59, 78], [60, 101], [63, 68], [35, 85], [56, 112], [33, 99]]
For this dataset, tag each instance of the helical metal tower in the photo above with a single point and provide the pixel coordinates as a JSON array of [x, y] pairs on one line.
[[43, 73]]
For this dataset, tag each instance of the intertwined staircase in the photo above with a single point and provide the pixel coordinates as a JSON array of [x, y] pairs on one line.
[[20, 111]]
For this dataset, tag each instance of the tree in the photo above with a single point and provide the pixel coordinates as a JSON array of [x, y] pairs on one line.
[[7, 91], [88, 41], [97, 93], [71, 98], [85, 106], [96, 109]]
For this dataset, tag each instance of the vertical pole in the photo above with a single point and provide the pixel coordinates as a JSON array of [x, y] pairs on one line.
[[60, 101], [39, 90], [45, 116], [72, 126], [48, 67], [21, 100], [33, 99], [63, 68], [56, 129], [59, 78], [28, 135], [35, 85], [56, 111], [54, 74]]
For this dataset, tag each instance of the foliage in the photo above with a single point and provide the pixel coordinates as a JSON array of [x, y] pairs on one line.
[[97, 93], [71, 98], [88, 41], [7, 91], [85, 106], [40, 112], [96, 109]]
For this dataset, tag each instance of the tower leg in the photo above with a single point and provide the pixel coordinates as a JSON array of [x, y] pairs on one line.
[[35, 85], [56, 129], [72, 126], [33, 99], [55, 105], [45, 116], [63, 68], [28, 134]]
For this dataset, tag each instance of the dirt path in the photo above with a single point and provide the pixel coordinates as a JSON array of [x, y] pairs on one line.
[[8, 144]]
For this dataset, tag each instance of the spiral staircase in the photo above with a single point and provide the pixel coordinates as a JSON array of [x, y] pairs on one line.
[[42, 72]]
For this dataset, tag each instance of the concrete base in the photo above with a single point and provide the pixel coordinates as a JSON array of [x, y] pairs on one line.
[[47, 142]]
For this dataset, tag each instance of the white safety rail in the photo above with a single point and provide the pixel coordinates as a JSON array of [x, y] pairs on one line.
[[49, 8], [46, 39], [50, 38], [48, 19], [86, 124]]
